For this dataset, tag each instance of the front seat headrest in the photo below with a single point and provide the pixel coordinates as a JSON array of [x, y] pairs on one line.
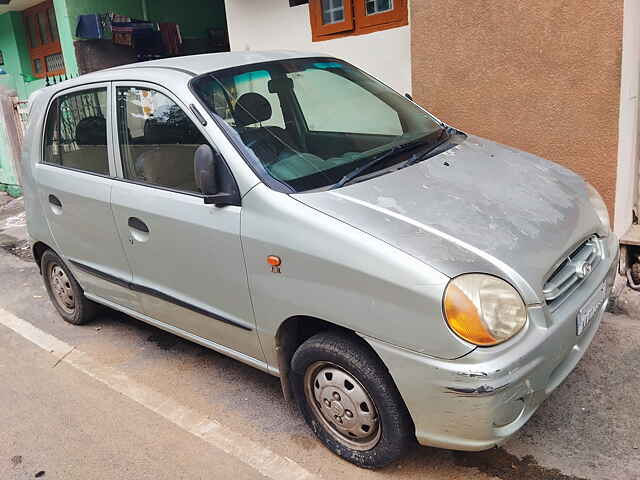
[[251, 108]]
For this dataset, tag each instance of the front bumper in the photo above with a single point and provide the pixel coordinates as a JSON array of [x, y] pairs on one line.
[[480, 400]]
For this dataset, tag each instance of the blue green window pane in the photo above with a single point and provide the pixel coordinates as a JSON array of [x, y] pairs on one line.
[[332, 11], [378, 6]]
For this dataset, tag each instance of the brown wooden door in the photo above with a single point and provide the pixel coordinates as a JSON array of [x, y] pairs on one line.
[[43, 40]]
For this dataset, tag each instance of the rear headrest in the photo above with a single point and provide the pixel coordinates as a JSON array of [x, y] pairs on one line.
[[91, 131], [251, 108]]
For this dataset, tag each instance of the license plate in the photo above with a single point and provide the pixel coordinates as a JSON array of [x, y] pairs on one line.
[[591, 308]]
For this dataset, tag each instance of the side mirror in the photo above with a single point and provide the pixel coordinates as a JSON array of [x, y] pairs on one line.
[[204, 165], [408, 95], [213, 178]]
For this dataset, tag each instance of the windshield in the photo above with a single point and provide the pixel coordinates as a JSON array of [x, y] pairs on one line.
[[309, 123]]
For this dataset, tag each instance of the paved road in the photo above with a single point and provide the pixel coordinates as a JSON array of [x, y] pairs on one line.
[[58, 421], [61, 421]]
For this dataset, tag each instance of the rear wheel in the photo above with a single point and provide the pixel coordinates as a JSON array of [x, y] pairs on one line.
[[349, 400], [64, 291]]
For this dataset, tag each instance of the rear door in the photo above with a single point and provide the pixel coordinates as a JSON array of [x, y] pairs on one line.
[[74, 181], [186, 256]]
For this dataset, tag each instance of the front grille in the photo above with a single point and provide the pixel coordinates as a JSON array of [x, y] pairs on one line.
[[572, 271]]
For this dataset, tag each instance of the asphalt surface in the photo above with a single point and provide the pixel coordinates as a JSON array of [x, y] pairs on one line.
[[60, 421]]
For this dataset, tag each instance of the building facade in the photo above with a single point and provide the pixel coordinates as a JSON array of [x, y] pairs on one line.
[[547, 76]]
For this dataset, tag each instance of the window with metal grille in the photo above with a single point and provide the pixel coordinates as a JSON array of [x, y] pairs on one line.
[[43, 40], [54, 62]]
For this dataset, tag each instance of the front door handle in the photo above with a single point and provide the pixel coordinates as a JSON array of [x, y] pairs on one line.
[[138, 224], [138, 230]]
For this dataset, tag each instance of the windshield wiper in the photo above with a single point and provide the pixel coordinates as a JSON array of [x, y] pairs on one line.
[[403, 147], [442, 139]]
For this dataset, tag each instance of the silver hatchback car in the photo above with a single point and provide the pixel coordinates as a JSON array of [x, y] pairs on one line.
[[404, 280]]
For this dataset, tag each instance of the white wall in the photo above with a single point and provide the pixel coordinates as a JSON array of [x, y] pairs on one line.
[[627, 175], [273, 25]]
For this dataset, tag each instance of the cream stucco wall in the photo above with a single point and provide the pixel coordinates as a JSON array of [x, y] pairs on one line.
[[272, 24]]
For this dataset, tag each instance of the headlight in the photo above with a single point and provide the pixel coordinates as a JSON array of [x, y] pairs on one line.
[[600, 207], [483, 309]]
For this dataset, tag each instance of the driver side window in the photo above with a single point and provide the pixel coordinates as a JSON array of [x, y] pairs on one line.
[[157, 139]]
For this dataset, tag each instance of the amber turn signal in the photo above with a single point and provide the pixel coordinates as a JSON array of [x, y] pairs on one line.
[[464, 319], [274, 261]]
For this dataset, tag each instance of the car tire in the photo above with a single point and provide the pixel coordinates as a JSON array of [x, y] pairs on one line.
[[349, 400], [64, 291]]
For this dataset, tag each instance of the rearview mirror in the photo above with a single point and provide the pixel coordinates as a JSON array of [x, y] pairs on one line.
[[213, 177]]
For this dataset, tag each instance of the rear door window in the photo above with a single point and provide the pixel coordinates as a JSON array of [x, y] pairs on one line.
[[76, 132]]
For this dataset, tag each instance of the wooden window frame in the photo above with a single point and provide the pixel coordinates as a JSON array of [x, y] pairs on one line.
[[43, 50], [357, 22], [320, 29]]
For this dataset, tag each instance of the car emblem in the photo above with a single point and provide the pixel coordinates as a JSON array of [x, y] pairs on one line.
[[583, 269]]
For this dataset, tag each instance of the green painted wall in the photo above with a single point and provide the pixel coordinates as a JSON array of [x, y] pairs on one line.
[[193, 16], [13, 43], [16, 61], [9, 52], [73, 8], [67, 12]]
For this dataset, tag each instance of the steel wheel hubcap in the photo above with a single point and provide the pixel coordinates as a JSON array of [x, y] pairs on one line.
[[342, 405], [61, 288]]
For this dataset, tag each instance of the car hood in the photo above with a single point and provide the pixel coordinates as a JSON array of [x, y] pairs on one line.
[[477, 207]]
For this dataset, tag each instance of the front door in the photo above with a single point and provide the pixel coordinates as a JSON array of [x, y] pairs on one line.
[[74, 184], [186, 257]]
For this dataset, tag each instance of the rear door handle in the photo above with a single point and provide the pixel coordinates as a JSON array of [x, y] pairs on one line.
[[55, 204], [138, 224], [53, 200]]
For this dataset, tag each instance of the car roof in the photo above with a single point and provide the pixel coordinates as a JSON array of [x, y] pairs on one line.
[[190, 66], [208, 62]]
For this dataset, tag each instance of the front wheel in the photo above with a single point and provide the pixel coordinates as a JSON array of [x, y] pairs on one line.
[[349, 400]]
